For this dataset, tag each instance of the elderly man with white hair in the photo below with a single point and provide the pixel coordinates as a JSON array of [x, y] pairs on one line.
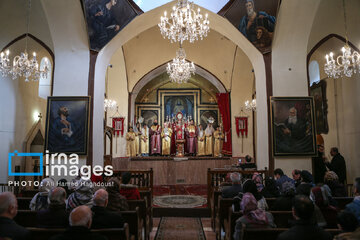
[[236, 187], [8, 210], [80, 221], [102, 217]]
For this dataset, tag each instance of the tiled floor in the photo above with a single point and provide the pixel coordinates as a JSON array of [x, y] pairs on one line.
[[206, 222]]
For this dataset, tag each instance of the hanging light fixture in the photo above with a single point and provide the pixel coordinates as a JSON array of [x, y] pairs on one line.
[[250, 106], [179, 69], [22, 65], [184, 23], [345, 64], [109, 104]]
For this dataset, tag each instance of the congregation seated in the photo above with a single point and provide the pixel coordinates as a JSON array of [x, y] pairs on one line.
[[347, 223], [304, 227], [8, 227], [40, 200], [250, 187], [116, 201], [320, 197], [296, 174], [270, 190], [306, 183], [354, 206], [281, 178], [253, 217], [64, 184], [80, 221], [258, 180], [102, 217], [56, 215], [235, 188], [129, 191], [332, 181], [284, 202], [248, 164], [81, 196]]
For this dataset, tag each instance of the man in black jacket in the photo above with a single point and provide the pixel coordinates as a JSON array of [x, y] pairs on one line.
[[80, 222], [235, 189], [304, 228], [56, 215], [103, 218], [337, 164], [8, 210]]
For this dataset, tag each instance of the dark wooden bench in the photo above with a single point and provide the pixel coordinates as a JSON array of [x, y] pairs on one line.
[[24, 203], [222, 213], [110, 233], [144, 213]]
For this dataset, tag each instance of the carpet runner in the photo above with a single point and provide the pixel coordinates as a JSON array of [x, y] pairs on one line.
[[171, 228]]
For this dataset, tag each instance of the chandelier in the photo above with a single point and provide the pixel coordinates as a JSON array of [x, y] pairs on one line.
[[345, 64], [184, 23], [23, 66], [250, 106], [109, 104], [179, 69]]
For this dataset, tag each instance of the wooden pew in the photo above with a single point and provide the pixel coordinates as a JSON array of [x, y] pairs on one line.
[[144, 179], [213, 206], [27, 218], [110, 233], [222, 213], [23, 203], [147, 194], [144, 214]]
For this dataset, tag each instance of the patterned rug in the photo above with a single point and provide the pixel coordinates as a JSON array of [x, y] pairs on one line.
[[179, 201], [171, 228], [181, 189]]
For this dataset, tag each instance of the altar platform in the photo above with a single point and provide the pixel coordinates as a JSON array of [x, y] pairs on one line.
[[173, 170]]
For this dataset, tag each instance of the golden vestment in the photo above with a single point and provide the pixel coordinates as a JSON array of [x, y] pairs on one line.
[[218, 136], [137, 143], [209, 142], [201, 143], [166, 141], [144, 141], [130, 144]]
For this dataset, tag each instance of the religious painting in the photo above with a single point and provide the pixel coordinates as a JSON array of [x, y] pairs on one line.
[[206, 114], [179, 103], [106, 18], [318, 91], [293, 126], [255, 19], [149, 116], [67, 125]]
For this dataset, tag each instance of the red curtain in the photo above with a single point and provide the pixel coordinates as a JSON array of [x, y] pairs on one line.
[[223, 100]]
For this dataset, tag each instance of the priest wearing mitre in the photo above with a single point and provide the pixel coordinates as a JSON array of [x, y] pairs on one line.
[[191, 142], [144, 141], [209, 142], [218, 141], [130, 143], [166, 134], [155, 140]]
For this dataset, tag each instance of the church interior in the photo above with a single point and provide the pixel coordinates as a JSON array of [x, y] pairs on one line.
[[118, 85]]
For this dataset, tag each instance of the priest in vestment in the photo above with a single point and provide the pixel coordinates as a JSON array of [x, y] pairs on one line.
[[166, 139], [200, 141], [144, 141], [137, 131], [155, 137], [191, 140], [219, 140], [179, 130], [130, 143], [209, 150]]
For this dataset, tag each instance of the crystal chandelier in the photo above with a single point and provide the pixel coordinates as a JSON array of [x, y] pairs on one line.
[[184, 23], [109, 104], [179, 69], [345, 64], [22, 65], [250, 106]]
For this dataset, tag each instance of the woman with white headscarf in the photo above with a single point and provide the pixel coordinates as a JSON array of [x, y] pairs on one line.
[[40, 200], [83, 194]]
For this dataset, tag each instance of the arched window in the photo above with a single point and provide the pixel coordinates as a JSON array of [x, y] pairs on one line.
[[314, 72], [45, 83]]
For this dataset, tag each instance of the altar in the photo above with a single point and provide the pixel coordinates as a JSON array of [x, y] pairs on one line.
[[168, 171]]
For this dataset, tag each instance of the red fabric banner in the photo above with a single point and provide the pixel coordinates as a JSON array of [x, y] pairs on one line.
[[223, 100]]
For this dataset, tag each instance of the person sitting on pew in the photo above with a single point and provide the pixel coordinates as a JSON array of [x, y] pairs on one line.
[[56, 215], [284, 202], [40, 200], [253, 217], [235, 189], [332, 181], [8, 210], [296, 174], [82, 196], [80, 221], [116, 202], [321, 199], [103, 218], [281, 178], [270, 190], [129, 191], [347, 223], [306, 183], [248, 164], [354, 206], [258, 180], [250, 187], [304, 228]]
